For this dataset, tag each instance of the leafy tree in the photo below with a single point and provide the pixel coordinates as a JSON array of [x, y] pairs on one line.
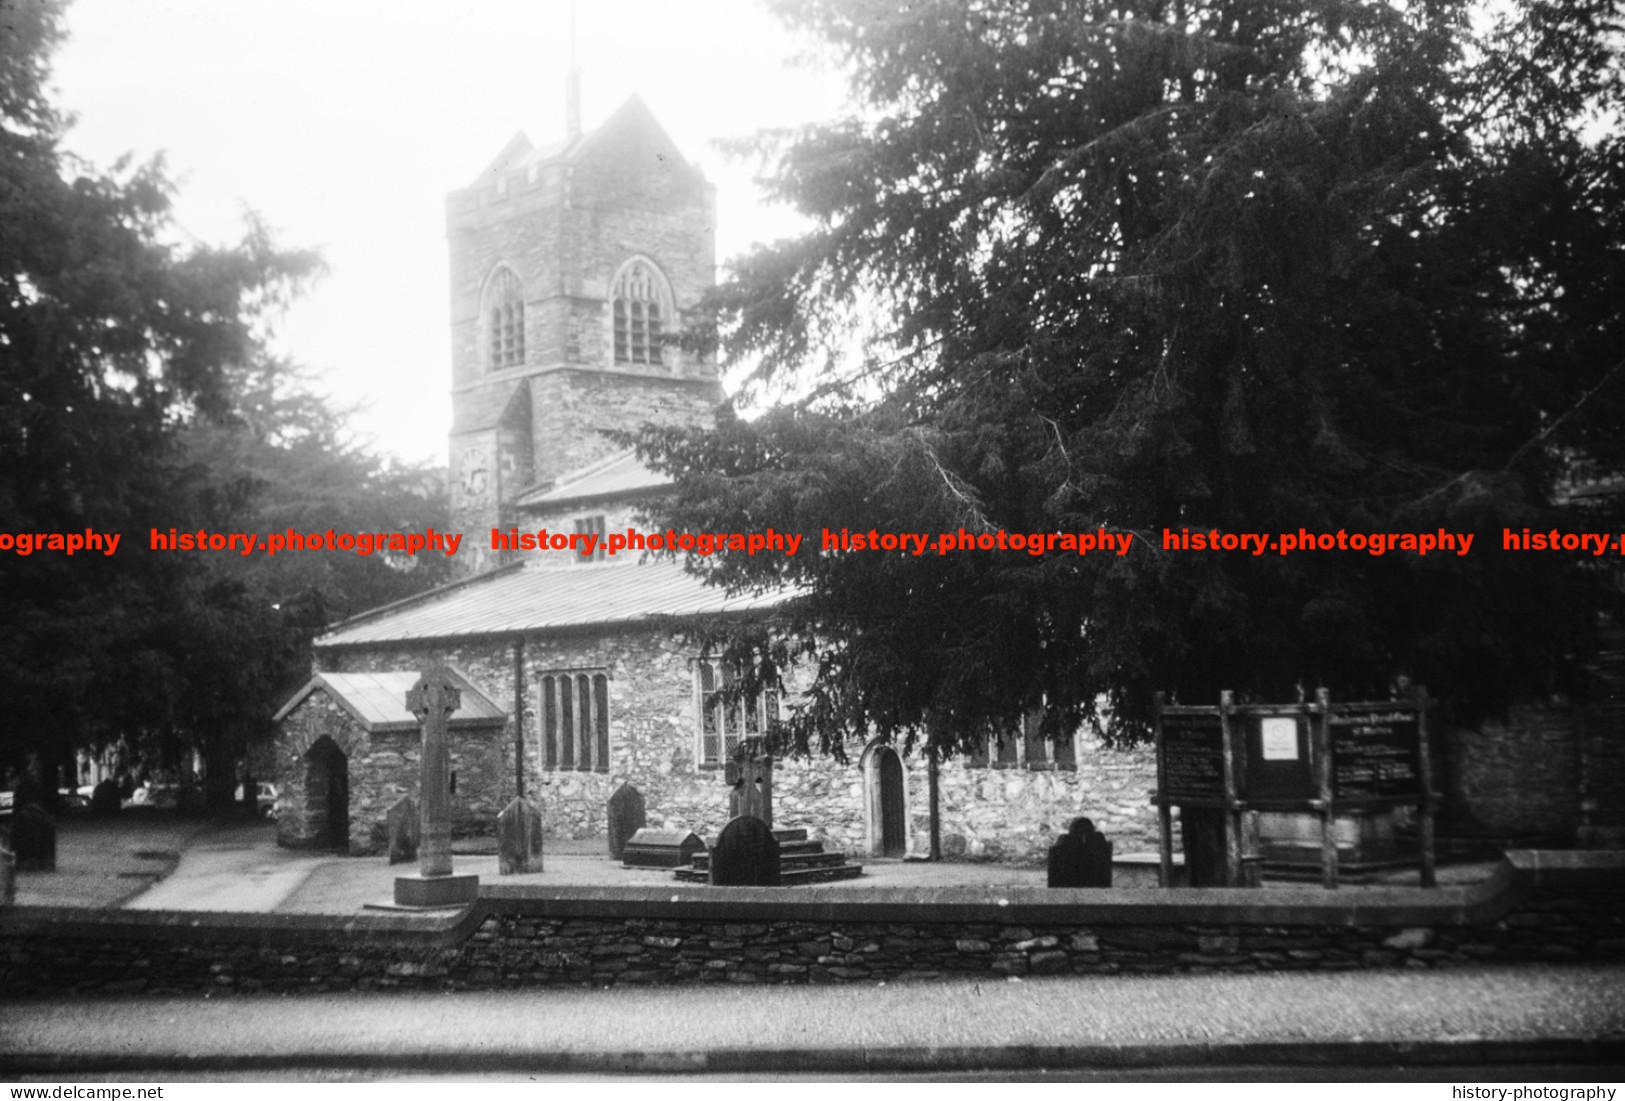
[[1154, 265]]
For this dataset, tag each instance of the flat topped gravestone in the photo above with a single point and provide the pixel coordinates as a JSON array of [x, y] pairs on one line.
[[1082, 858], [626, 817], [519, 839], [33, 840], [745, 855], [661, 848], [404, 830]]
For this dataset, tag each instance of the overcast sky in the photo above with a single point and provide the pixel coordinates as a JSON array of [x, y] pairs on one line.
[[344, 124]]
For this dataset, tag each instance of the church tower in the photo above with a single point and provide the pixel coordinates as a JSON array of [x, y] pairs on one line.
[[573, 269]]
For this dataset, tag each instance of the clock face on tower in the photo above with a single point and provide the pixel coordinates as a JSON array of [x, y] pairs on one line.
[[476, 474]]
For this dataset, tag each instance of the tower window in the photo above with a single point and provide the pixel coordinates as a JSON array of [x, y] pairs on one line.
[[640, 313], [505, 318]]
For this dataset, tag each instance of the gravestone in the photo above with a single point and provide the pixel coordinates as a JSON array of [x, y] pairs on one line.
[[519, 839], [649, 848], [404, 825], [745, 855], [1082, 858], [33, 840], [105, 799], [28, 792], [626, 817]]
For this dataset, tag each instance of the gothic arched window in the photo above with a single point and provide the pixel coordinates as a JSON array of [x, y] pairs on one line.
[[505, 319], [642, 313]]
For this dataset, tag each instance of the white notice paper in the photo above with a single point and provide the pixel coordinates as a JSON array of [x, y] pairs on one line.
[[1280, 739]]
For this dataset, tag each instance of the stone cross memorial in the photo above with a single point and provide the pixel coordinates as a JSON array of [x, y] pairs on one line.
[[403, 823], [750, 783], [746, 855], [432, 699], [519, 839], [626, 817]]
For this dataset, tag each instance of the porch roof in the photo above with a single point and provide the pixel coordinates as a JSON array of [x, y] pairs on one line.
[[378, 700]]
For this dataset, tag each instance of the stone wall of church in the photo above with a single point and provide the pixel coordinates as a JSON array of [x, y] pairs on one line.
[[518, 226], [571, 409], [1003, 814], [680, 240]]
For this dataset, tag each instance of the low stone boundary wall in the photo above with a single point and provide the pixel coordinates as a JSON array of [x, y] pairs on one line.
[[1538, 906]]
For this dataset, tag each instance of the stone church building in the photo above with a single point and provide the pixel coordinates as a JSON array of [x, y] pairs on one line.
[[572, 268]]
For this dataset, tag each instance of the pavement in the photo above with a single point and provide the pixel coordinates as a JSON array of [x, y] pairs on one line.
[[1477, 1020], [1561, 1020]]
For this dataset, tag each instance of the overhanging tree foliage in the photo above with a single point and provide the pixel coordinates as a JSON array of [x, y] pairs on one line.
[[1155, 266]]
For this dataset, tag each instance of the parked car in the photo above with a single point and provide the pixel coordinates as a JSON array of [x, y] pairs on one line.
[[72, 800], [266, 794], [156, 795]]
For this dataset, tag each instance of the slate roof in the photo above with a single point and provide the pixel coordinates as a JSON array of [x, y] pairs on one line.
[[534, 598], [618, 476], [490, 407], [378, 700]]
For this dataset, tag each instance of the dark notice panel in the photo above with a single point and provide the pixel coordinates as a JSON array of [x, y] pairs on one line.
[[1279, 766], [1193, 755], [1376, 753]]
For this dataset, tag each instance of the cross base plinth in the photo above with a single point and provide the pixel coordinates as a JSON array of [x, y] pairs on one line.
[[436, 890]]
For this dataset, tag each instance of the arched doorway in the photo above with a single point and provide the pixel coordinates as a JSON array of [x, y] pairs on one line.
[[327, 794], [893, 822], [886, 787]]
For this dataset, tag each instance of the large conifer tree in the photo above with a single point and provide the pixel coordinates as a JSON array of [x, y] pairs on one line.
[[136, 393], [1157, 265]]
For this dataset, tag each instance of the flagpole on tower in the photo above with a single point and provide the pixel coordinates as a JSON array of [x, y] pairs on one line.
[[572, 85]]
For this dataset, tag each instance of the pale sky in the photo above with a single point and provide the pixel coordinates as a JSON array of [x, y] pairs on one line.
[[345, 123]]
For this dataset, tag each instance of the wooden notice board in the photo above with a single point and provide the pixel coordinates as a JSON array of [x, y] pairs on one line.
[[1315, 758], [1193, 755], [1376, 753]]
